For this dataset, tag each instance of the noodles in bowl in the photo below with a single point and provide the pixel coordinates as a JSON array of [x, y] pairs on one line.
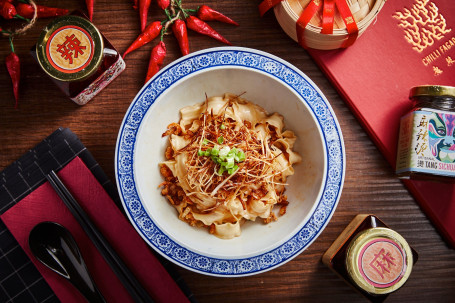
[[227, 162], [269, 83]]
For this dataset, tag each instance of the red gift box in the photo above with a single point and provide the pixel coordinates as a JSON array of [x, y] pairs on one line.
[[412, 43]]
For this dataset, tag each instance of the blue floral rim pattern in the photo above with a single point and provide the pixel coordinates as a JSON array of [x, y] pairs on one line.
[[230, 57]]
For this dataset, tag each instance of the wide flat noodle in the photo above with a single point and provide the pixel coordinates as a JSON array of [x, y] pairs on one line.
[[223, 206]]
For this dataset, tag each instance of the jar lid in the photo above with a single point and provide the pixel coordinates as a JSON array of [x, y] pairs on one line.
[[379, 260], [432, 90], [70, 48]]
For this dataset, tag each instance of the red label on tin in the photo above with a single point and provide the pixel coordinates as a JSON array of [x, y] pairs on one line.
[[382, 262], [70, 49]]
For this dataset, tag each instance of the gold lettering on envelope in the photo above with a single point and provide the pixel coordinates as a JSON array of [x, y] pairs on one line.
[[422, 24], [437, 71]]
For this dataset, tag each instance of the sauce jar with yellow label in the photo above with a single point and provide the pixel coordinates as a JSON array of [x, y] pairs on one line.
[[426, 143], [374, 259], [77, 57]]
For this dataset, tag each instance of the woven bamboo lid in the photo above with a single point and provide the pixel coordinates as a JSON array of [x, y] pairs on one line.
[[364, 12]]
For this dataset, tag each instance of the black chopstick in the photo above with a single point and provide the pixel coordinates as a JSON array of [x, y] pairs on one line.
[[126, 277]]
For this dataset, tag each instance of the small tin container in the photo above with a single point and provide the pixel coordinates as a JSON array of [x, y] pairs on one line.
[[77, 57], [372, 258], [426, 143]]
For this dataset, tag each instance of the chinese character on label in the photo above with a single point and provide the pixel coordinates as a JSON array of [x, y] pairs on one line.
[[423, 122], [382, 262], [71, 48], [422, 135], [420, 148]]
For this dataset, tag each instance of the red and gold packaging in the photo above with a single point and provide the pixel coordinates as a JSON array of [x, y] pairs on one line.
[[77, 57]]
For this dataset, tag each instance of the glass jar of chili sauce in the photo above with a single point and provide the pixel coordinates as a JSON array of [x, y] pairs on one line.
[[426, 143], [77, 57]]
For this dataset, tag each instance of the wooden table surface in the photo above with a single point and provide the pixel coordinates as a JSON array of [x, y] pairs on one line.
[[370, 185]]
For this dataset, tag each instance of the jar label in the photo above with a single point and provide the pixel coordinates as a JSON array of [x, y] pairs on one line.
[[426, 143], [382, 262], [70, 49], [101, 82]]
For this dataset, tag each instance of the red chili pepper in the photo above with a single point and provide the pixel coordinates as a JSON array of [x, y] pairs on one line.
[[8, 11], [208, 14], [26, 10], [143, 12], [14, 69], [180, 32], [163, 3], [90, 4], [151, 32], [201, 27], [156, 60]]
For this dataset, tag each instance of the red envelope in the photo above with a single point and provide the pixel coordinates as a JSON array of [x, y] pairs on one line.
[[44, 204], [374, 77]]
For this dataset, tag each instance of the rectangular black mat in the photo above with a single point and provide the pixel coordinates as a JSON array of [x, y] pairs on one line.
[[20, 281]]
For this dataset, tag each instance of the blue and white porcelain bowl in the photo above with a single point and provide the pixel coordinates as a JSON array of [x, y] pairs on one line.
[[277, 86]]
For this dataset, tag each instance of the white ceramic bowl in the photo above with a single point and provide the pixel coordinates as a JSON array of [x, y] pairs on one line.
[[277, 86]]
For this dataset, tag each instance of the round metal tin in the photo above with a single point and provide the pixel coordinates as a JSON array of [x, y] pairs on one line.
[[70, 48], [379, 260]]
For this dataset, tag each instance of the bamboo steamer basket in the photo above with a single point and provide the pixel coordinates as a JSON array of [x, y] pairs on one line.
[[288, 12]]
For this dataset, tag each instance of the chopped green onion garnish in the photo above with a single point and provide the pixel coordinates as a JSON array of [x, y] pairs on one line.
[[233, 169], [221, 170], [241, 156], [229, 162], [205, 142], [224, 151], [225, 157], [220, 140], [222, 126]]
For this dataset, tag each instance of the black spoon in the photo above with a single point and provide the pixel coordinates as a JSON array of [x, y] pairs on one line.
[[53, 245]]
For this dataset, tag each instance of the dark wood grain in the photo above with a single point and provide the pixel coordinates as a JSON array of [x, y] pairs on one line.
[[370, 185]]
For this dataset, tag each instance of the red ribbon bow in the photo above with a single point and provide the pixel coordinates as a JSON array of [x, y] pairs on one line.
[[328, 13]]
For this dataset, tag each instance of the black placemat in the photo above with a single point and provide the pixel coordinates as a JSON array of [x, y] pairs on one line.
[[20, 281]]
